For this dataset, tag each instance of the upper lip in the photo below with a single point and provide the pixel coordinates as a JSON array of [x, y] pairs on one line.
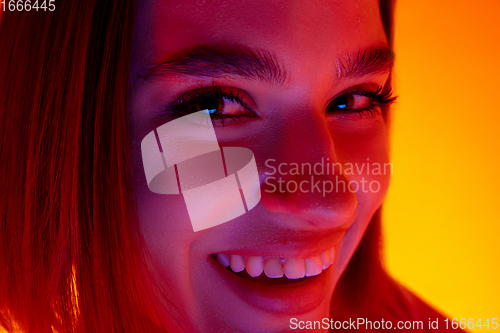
[[273, 241]]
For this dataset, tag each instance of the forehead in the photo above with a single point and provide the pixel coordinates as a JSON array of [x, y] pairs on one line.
[[300, 31]]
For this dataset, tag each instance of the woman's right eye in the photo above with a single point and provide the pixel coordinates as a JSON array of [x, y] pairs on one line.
[[221, 103]]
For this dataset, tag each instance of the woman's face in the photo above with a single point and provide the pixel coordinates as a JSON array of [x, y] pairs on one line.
[[310, 96]]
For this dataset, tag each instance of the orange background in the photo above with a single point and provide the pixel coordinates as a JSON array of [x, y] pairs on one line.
[[442, 224]]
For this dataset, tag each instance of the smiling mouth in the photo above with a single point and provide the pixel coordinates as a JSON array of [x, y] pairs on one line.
[[276, 267]]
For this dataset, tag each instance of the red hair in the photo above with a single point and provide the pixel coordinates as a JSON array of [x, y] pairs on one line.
[[70, 248]]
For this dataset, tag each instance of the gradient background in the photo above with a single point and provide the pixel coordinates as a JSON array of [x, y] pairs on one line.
[[441, 218]]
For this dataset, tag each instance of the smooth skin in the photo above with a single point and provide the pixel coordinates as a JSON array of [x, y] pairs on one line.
[[290, 125]]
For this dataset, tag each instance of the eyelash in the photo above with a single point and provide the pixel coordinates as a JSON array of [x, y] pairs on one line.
[[185, 104], [378, 99]]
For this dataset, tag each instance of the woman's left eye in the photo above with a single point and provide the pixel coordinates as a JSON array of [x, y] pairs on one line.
[[221, 103], [363, 103]]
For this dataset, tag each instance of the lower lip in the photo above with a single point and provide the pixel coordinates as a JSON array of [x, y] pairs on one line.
[[288, 298]]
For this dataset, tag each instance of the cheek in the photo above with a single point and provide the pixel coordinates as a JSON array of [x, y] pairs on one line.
[[167, 232], [161, 213], [364, 153], [158, 214]]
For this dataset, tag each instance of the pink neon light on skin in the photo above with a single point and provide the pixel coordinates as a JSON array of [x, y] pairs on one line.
[[291, 127]]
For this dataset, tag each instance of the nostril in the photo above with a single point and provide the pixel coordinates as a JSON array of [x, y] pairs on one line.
[[323, 200]]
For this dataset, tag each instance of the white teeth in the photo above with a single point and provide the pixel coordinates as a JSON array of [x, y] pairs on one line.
[[273, 268], [237, 263], [254, 266], [277, 267], [314, 266], [326, 259], [294, 268]]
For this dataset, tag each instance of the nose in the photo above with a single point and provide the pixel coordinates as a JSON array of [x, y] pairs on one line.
[[303, 175]]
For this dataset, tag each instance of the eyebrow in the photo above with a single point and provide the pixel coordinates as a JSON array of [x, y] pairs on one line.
[[370, 61], [220, 61]]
